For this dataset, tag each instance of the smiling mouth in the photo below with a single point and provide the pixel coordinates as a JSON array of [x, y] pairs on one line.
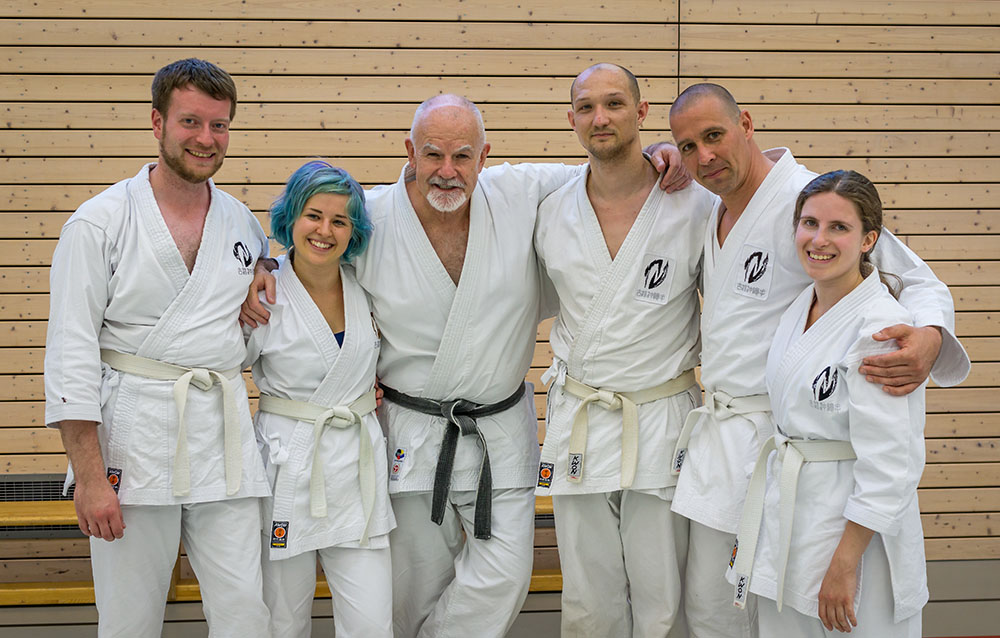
[[200, 155], [817, 257], [319, 244], [713, 173]]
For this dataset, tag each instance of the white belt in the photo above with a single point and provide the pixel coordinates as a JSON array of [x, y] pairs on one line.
[[720, 406], [627, 402], [792, 453], [183, 378], [339, 417]]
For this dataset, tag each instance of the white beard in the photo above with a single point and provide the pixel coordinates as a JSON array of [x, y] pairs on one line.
[[446, 201]]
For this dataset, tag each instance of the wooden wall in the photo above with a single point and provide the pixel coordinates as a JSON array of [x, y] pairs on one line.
[[906, 92]]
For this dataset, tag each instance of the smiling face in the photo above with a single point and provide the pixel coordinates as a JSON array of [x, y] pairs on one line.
[[715, 144], [321, 233], [447, 151], [605, 114], [193, 134], [830, 240]]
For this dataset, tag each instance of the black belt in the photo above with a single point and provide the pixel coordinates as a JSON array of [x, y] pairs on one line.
[[462, 414]]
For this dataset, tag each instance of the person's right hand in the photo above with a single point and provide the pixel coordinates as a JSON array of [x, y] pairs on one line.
[[253, 312], [98, 511]]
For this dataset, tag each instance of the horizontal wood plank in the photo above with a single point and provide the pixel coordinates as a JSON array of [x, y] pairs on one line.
[[818, 37], [839, 65], [919, 12]]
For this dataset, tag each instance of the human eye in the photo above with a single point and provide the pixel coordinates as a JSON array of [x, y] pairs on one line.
[[807, 222], [221, 126], [713, 136], [686, 147]]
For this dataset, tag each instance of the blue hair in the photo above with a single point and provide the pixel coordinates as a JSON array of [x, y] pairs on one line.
[[315, 177]]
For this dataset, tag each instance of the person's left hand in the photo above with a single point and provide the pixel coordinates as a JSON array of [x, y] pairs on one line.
[[903, 371], [666, 160]]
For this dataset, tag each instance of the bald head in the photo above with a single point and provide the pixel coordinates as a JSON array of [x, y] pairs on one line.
[[452, 101], [697, 92], [630, 81]]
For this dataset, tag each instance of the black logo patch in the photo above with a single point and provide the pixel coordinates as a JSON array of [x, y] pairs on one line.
[[279, 534], [655, 273], [755, 266], [825, 384], [545, 474], [115, 478]]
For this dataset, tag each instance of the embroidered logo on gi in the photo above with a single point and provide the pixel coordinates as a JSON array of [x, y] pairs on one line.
[[755, 279], [545, 474], [242, 253], [823, 387], [378, 334], [115, 478], [397, 464], [654, 280], [736, 548], [279, 534]]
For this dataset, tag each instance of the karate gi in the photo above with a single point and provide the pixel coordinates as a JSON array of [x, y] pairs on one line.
[[296, 357], [119, 283], [624, 325], [817, 393], [748, 283], [473, 341]]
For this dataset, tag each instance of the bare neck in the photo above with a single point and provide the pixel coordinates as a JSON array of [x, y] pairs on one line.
[[616, 179], [177, 195], [448, 233]]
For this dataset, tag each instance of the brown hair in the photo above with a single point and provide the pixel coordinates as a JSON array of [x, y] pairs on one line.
[[859, 190], [201, 74]]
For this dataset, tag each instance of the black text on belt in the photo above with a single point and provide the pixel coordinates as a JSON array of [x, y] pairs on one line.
[[462, 414]]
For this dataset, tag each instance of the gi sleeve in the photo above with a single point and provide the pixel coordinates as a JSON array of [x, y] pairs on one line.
[[887, 435], [930, 303], [78, 297]]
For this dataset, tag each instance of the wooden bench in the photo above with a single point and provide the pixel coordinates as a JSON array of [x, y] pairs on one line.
[[545, 578]]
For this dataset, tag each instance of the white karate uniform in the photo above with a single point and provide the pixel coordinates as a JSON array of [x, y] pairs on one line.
[[472, 341], [817, 393], [118, 282], [296, 357], [748, 283], [624, 325]]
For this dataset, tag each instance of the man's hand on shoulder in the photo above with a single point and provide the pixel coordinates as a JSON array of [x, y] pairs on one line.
[[253, 312], [666, 160], [903, 371]]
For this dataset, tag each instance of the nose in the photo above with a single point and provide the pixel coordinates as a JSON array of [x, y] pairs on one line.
[[600, 117], [447, 170], [205, 136], [705, 155], [820, 237]]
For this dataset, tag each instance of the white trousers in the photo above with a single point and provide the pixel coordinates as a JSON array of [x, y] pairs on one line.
[[708, 596], [132, 574], [446, 583], [622, 556], [360, 583], [874, 614]]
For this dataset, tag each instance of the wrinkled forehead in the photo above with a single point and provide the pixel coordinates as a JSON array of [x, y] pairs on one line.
[[448, 125]]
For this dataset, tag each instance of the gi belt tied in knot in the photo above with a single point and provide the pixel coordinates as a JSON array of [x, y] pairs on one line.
[[461, 418]]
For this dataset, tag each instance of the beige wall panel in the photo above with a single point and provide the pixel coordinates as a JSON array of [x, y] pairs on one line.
[[962, 425], [18, 306], [28, 413], [941, 221], [596, 10], [950, 525], [22, 387], [976, 298], [840, 65], [339, 34], [772, 37], [962, 548], [852, 90], [356, 61], [972, 499], [919, 12], [960, 474], [334, 88]]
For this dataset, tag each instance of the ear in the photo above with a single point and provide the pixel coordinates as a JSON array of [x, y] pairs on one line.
[[643, 111], [410, 151], [157, 119], [868, 242], [572, 119], [746, 123], [482, 156]]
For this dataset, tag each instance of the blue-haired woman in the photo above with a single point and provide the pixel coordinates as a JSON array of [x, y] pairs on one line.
[[314, 363]]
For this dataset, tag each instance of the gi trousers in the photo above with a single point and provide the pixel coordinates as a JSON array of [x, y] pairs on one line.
[[708, 597], [446, 584], [222, 539], [623, 556], [360, 582]]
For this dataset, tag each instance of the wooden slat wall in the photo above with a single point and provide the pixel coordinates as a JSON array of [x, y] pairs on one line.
[[906, 92]]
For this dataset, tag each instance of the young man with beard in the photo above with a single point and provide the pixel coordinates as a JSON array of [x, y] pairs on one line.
[[455, 290], [751, 275], [624, 258], [143, 342]]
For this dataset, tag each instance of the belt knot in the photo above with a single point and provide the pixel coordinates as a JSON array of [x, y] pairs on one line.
[[201, 378], [609, 400]]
